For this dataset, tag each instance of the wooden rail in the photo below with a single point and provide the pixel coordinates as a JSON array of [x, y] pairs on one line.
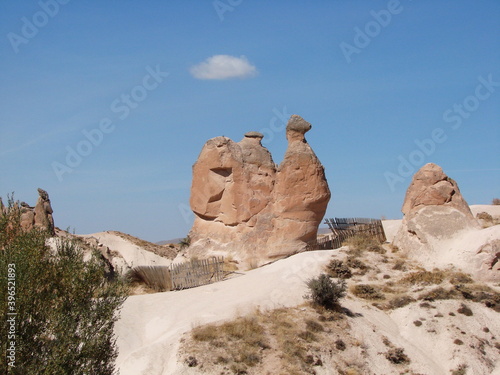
[[183, 275], [196, 273], [344, 228]]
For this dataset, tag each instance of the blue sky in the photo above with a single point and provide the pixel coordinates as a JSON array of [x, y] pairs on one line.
[[376, 79]]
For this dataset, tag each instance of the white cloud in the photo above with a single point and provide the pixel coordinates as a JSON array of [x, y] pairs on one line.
[[224, 67]]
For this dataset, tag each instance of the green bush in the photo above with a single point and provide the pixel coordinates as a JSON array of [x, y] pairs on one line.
[[325, 292], [66, 309]]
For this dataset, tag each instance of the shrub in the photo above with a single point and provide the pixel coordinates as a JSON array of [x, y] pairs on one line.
[[340, 345], [66, 309], [185, 242], [484, 216], [352, 262], [337, 268], [367, 291], [397, 356], [324, 291], [495, 201]]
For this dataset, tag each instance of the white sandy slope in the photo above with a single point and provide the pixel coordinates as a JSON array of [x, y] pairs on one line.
[[493, 210], [151, 326], [130, 255], [463, 250], [391, 227]]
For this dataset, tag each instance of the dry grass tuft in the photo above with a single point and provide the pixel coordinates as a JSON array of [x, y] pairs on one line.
[[244, 340], [366, 291], [155, 277], [400, 301], [424, 277], [362, 242], [460, 278], [439, 293], [337, 268]]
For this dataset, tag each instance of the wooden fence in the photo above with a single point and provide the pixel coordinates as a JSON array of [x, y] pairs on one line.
[[196, 273], [344, 228], [183, 275]]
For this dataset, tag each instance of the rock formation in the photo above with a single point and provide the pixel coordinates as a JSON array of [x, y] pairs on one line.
[[439, 229], [434, 210], [248, 207], [43, 212], [39, 216], [432, 187]]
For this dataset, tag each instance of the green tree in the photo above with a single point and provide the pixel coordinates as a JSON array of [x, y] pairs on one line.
[[66, 309]]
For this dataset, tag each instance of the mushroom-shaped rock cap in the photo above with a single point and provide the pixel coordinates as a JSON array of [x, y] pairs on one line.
[[254, 135], [298, 124]]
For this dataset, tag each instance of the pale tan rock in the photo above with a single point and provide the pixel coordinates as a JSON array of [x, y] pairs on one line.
[[434, 210], [439, 229], [27, 218], [247, 207], [301, 194], [43, 212], [430, 186]]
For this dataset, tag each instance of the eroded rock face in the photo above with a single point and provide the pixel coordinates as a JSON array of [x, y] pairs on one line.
[[39, 216], [43, 212], [430, 186], [434, 210], [248, 207], [439, 229]]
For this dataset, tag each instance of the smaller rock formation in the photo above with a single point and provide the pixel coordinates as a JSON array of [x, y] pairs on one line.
[[43, 212], [434, 210], [39, 216], [439, 229], [432, 187], [27, 216]]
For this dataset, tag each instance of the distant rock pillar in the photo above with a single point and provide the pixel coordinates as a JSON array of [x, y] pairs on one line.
[[43, 212]]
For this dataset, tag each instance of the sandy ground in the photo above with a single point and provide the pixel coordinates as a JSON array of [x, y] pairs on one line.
[[391, 227], [493, 210], [151, 325], [130, 255]]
